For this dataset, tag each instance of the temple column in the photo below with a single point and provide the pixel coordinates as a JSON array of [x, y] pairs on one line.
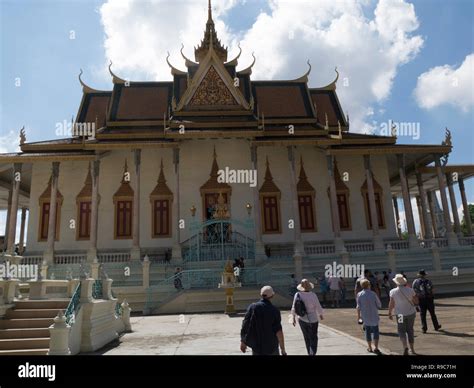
[[452, 238], [135, 251], [338, 242], [299, 246], [420, 217], [433, 213], [48, 255], [423, 202], [7, 223], [92, 252], [16, 180], [412, 240], [378, 241], [21, 244], [467, 214], [454, 206], [176, 250], [397, 216], [259, 246]]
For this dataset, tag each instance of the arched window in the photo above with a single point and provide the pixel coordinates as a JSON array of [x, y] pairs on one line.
[[161, 199], [306, 194], [270, 204], [123, 202], [45, 206], [342, 196]]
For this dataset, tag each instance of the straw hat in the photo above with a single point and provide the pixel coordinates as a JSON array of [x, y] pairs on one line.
[[399, 280], [305, 285]]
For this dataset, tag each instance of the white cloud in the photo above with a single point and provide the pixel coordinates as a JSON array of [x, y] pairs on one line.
[[367, 48], [9, 142], [447, 85]]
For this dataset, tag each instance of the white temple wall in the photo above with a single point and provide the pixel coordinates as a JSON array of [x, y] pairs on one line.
[[196, 158]]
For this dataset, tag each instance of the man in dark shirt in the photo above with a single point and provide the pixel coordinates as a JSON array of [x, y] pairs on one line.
[[425, 293], [261, 328]]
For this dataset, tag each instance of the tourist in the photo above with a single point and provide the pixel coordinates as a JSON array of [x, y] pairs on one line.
[[178, 284], [386, 284], [403, 300], [261, 327], [358, 287], [374, 286], [424, 291], [368, 305], [335, 290], [323, 288], [309, 321], [343, 291]]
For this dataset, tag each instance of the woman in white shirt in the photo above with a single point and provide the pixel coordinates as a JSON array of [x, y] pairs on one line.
[[314, 313], [403, 300]]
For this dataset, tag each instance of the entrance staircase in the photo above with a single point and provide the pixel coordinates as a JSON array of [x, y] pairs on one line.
[[25, 329]]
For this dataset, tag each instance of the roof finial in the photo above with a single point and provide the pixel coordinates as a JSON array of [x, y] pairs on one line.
[[22, 135], [209, 11]]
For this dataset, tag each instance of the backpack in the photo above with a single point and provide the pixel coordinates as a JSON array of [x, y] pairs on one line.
[[300, 308], [251, 337], [426, 288]]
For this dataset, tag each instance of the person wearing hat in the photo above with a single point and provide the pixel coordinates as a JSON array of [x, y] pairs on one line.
[[261, 327], [424, 291], [368, 306], [310, 321], [403, 301]]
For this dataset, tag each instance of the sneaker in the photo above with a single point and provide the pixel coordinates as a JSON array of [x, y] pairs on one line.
[[405, 353], [439, 327]]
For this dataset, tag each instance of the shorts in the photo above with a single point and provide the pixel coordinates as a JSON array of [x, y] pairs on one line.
[[371, 330]]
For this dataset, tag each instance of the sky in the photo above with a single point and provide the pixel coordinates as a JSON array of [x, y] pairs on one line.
[[406, 61]]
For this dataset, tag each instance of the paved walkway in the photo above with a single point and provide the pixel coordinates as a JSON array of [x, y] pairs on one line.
[[217, 334], [455, 314]]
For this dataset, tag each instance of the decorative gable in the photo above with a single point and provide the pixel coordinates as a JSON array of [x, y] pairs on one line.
[[212, 91]]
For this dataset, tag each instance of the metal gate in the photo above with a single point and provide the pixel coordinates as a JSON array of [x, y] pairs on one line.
[[216, 240]]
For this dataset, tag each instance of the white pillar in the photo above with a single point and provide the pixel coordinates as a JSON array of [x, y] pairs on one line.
[[92, 252], [21, 245], [59, 336], [465, 206], [259, 247], [299, 246], [49, 252], [378, 241], [338, 242], [412, 240], [16, 179], [135, 252], [454, 206], [452, 238], [427, 228], [176, 253]]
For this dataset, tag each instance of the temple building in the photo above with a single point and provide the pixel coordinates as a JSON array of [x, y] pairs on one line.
[[141, 180]]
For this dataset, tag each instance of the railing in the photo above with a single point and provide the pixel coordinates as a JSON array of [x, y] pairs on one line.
[[397, 244], [73, 305], [359, 246], [319, 249], [439, 242], [70, 258], [113, 257], [468, 240], [97, 292], [32, 260]]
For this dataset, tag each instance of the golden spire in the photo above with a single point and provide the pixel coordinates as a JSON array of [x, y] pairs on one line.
[[210, 40]]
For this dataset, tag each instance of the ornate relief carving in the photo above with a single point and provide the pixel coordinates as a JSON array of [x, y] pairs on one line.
[[212, 91]]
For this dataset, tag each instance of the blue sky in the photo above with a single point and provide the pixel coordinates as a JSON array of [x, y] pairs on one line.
[[36, 48]]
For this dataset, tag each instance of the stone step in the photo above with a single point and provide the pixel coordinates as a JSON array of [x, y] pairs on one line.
[[24, 333], [25, 352], [42, 304], [24, 343], [31, 313], [26, 323]]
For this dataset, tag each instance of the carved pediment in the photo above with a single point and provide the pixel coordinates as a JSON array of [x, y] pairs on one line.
[[212, 91]]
